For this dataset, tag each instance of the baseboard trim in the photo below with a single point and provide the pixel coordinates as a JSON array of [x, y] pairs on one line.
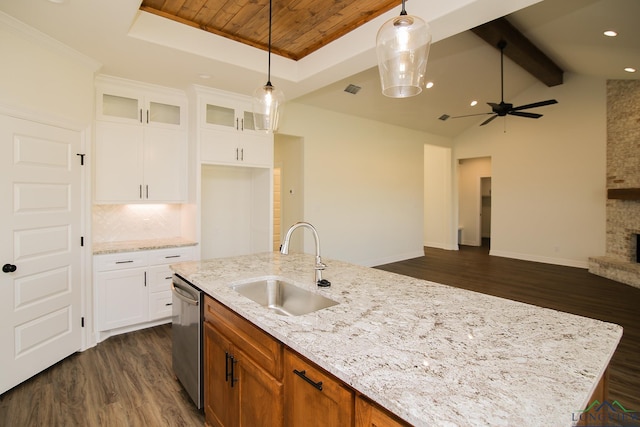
[[543, 259]]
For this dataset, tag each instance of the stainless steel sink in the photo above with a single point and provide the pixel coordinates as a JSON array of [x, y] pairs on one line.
[[283, 298]]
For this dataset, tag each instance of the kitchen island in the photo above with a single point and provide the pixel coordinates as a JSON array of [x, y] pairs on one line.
[[429, 353]]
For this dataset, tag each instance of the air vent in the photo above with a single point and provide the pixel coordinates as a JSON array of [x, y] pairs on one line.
[[444, 117], [353, 89]]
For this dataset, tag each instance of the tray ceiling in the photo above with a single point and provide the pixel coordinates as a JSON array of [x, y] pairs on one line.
[[299, 27]]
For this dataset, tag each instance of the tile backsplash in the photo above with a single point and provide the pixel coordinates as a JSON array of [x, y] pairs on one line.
[[115, 223]]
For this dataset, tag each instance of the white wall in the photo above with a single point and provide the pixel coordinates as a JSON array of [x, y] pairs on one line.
[[438, 198], [363, 183], [548, 175], [42, 76]]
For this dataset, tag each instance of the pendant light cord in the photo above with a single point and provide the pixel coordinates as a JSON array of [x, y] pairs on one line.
[[269, 60], [403, 12]]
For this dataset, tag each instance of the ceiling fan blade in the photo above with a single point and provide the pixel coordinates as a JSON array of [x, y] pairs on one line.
[[488, 120], [470, 115], [525, 114], [535, 105]]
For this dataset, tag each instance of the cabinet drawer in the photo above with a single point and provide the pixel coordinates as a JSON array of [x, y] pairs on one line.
[[160, 305], [120, 261], [259, 346], [170, 255], [159, 278]]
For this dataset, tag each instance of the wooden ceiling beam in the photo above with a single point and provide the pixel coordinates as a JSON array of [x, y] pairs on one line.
[[520, 50]]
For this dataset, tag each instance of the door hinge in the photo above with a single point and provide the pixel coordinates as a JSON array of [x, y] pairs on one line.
[[81, 158], [82, 321], [81, 240]]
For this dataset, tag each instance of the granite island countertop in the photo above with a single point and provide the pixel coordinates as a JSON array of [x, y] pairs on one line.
[[434, 355]]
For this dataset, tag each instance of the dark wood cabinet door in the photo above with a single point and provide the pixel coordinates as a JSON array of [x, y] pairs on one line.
[[314, 397], [258, 395], [219, 405]]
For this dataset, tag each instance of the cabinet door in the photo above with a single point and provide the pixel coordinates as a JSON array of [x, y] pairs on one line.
[[165, 168], [122, 298], [219, 407], [118, 162], [257, 149], [123, 106], [258, 396], [236, 148], [313, 397], [165, 112]]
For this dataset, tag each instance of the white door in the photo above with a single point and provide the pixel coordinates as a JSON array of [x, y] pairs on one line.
[[40, 302]]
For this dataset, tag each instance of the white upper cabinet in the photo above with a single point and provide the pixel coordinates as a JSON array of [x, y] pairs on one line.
[[226, 131], [141, 143], [137, 103]]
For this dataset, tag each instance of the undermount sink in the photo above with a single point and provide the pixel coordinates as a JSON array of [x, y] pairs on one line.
[[283, 298]]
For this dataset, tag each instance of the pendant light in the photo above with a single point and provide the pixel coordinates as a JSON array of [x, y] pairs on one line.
[[403, 46], [267, 100]]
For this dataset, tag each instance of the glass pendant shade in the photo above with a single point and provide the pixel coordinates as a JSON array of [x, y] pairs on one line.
[[267, 105], [402, 47]]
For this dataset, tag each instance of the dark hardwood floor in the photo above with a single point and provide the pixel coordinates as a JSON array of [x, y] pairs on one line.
[[126, 380], [572, 290]]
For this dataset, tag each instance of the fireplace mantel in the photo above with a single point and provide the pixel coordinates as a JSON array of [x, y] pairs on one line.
[[624, 193]]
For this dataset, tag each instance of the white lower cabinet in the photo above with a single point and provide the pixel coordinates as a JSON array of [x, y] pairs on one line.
[[133, 288]]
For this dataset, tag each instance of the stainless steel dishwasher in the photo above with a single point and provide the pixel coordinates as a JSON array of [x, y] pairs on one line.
[[187, 337]]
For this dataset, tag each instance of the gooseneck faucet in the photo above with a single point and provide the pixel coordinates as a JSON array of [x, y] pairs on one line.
[[319, 266]]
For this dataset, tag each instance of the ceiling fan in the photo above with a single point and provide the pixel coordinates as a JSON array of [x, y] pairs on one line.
[[504, 108]]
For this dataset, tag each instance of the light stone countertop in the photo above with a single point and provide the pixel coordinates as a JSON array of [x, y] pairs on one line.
[[139, 245], [432, 354]]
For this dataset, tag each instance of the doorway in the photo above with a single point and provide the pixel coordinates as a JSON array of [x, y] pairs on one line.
[[485, 211], [470, 200], [288, 194], [40, 287]]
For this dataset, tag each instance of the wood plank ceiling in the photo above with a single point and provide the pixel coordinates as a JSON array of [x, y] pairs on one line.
[[299, 27]]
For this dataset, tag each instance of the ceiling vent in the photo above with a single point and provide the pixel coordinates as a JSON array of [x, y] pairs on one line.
[[353, 89]]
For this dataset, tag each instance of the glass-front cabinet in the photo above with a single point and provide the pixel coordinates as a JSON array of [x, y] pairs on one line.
[[126, 103], [228, 114]]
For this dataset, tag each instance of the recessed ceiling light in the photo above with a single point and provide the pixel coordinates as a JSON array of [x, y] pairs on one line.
[[204, 76], [610, 33], [630, 70], [474, 103], [57, 1], [429, 85]]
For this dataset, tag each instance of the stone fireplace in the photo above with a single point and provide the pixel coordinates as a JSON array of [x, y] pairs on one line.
[[620, 262]]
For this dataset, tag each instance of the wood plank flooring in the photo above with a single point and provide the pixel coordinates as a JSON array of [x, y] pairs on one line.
[[572, 290], [125, 381]]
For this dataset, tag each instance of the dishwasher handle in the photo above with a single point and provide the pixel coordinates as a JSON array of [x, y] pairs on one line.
[[180, 291]]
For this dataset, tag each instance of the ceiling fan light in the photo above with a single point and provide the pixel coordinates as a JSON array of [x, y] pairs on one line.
[[402, 47], [267, 106]]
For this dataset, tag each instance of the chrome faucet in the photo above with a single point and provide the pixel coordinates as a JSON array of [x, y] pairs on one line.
[[319, 266]]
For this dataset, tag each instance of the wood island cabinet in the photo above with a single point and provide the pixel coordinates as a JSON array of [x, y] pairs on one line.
[[252, 379], [242, 371]]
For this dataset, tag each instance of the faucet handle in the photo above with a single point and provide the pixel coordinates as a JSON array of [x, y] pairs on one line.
[[324, 283]]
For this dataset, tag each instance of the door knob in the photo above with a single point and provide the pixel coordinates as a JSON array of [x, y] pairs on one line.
[[9, 268]]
